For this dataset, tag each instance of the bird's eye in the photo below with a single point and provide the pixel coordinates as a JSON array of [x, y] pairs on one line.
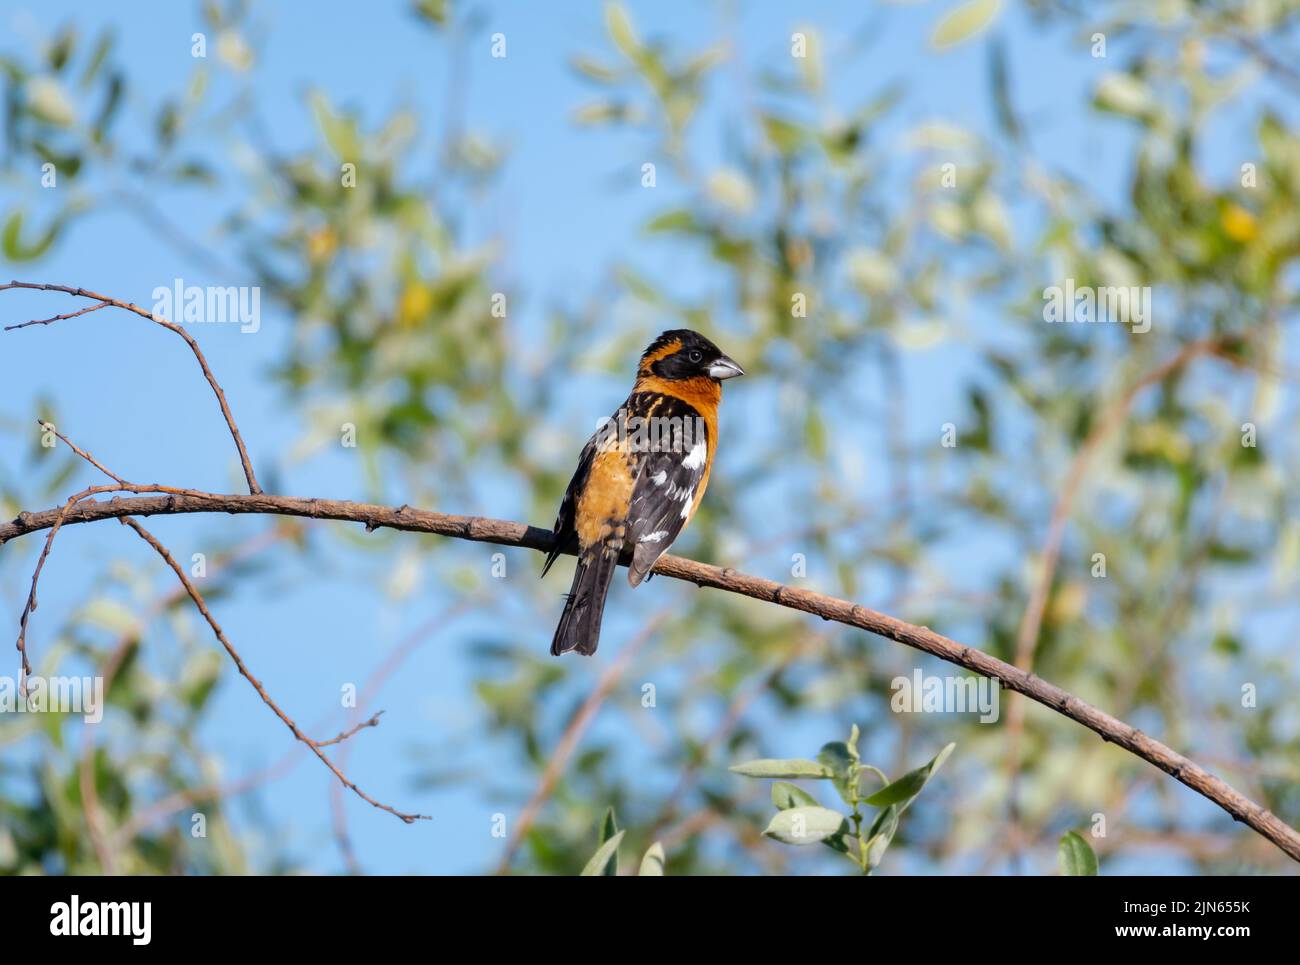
[[696, 355]]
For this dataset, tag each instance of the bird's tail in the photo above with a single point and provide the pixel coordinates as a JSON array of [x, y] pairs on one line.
[[579, 627]]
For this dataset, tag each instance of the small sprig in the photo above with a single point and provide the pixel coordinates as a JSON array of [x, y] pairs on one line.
[[800, 819]]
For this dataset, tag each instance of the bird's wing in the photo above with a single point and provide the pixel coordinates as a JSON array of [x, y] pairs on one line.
[[565, 530], [663, 500]]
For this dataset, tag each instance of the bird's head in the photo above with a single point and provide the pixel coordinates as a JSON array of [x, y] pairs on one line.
[[681, 354]]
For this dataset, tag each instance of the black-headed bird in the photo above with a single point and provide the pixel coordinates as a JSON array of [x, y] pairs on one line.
[[640, 477]]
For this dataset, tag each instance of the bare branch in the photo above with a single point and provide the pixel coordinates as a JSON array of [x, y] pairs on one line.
[[101, 841], [344, 735], [105, 301], [49, 426], [257, 684], [120, 485], [507, 533], [57, 318]]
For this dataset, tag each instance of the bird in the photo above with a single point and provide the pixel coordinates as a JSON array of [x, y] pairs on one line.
[[640, 478]]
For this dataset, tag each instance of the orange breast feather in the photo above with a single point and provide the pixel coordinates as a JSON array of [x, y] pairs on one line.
[[602, 507]]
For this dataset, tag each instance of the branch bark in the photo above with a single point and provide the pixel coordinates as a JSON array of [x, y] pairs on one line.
[[508, 533]]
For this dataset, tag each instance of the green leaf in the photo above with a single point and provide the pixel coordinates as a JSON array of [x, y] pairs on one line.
[[786, 796], [48, 101], [814, 433], [621, 31], [608, 827], [794, 767], [1000, 81], [60, 50], [605, 860], [1075, 856], [806, 825], [837, 757], [679, 219], [1124, 94], [963, 23], [909, 785], [784, 135], [339, 131], [432, 11], [880, 834], [840, 842], [595, 70], [13, 246], [604, 112], [103, 46], [652, 865], [112, 101]]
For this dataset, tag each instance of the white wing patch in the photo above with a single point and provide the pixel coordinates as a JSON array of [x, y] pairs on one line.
[[695, 458], [663, 498]]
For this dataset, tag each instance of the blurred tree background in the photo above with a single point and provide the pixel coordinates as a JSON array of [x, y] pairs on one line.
[[872, 249]]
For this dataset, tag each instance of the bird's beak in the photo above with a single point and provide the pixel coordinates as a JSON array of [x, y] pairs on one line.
[[724, 368]]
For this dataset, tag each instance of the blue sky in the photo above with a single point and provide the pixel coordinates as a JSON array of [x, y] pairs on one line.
[[570, 205]]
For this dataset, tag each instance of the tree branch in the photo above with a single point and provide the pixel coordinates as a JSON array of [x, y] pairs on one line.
[[257, 684], [507, 533], [105, 301], [120, 484]]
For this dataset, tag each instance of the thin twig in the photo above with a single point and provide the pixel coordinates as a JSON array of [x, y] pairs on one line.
[[344, 735], [29, 607], [57, 318], [49, 426], [202, 606], [105, 300], [120, 486], [100, 839]]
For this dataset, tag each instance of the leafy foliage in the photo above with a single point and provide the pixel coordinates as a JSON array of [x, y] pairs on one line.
[[605, 860], [801, 820]]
